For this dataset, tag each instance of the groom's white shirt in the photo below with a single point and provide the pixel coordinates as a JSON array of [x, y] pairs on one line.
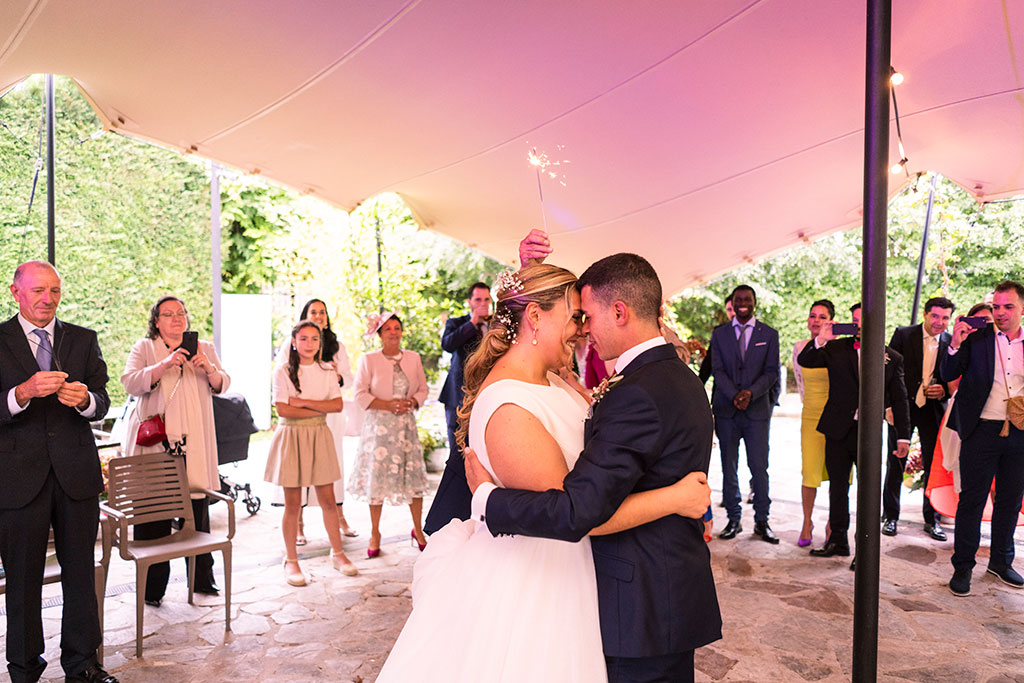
[[478, 507]]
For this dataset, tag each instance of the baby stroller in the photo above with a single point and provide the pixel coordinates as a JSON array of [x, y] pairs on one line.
[[234, 424]]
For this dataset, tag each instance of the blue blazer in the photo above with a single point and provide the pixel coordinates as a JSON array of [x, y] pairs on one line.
[[655, 590], [48, 433], [975, 365], [460, 338], [759, 371]]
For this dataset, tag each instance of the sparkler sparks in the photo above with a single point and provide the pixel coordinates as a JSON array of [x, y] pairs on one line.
[[542, 163]]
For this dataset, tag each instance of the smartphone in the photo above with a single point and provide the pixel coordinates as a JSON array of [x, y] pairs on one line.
[[977, 322], [841, 329], [190, 342]]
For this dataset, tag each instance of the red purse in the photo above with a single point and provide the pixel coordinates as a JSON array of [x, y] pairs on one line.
[[152, 430]]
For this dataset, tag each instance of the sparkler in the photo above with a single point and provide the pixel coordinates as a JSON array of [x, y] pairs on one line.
[[542, 163]]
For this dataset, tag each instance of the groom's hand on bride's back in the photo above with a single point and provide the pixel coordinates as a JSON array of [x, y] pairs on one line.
[[476, 474], [693, 495], [534, 248]]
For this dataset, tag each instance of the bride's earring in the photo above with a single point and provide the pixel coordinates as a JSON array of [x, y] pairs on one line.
[[535, 336]]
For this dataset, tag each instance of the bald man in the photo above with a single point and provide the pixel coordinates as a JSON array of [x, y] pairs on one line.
[[52, 383]]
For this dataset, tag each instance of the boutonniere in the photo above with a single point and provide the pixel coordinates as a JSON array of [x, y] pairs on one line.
[[602, 389]]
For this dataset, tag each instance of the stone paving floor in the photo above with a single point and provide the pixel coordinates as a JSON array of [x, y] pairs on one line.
[[788, 617]]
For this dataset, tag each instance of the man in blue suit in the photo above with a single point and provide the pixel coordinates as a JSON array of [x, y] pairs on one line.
[[656, 592], [745, 357], [990, 365], [461, 337]]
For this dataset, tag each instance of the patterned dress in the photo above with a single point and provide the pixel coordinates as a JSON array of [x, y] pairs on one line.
[[389, 467]]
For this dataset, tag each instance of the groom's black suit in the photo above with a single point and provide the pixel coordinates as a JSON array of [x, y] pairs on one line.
[[655, 587]]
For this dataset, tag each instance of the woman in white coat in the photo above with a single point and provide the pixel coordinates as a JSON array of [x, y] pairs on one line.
[[168, 382]]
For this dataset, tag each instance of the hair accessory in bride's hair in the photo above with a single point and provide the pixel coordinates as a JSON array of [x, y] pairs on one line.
[[508, 281], [504, 316]]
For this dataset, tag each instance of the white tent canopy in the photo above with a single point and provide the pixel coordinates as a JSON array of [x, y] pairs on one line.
[[699, 134]]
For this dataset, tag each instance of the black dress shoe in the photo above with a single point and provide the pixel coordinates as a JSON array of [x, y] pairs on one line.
[[889, 527], [92, 674], [831, 549], [765, 532], [935, 531], [731, 529], [853, 564], [154, 603], [211, 589], [750, 498], [960, 584], [1007, 575]]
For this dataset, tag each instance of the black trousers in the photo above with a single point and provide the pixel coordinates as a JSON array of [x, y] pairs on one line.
[[24, 533], [984, 455], [453, 499], [840, 456], [674, 668], [927, 426], [156, 579]]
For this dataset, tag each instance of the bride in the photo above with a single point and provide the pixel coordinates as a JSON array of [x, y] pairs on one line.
[[517, 608]]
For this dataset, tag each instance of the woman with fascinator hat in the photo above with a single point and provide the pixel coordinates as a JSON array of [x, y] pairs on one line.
[[515, 608], [390, 386]]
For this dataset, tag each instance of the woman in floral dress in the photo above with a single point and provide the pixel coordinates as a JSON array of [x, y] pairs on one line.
[[390, 386]]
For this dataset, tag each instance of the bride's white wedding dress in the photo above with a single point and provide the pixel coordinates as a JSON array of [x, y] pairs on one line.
[[507, 609]]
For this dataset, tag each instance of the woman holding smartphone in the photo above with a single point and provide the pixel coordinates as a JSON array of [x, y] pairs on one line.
[[174, 375]]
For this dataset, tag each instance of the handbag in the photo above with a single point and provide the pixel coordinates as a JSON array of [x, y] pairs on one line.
[[152, 430], [1014, 405]]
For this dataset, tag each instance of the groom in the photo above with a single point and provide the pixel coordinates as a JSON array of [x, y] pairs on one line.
[[652, 427]]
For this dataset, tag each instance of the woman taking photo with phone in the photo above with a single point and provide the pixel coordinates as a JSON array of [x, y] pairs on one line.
[[169, 380]]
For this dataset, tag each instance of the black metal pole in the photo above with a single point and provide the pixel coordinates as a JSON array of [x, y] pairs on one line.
[[51, 222], [380, 267], [924, 251], [872, 358]]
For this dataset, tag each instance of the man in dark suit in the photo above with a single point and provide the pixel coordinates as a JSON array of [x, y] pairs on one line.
[[656, 593], [461, 336], [52, 382], [839, 420], [745, 356], [921, 346], [990, 365]]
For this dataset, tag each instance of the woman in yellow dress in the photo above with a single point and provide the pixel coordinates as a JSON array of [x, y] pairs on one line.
[[813, 386]]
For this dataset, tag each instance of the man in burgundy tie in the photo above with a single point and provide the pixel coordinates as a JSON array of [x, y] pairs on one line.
[[52, 383]]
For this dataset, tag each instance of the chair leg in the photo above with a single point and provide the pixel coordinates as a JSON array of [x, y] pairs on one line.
[[191, 559], [101, 586], [226, 557], [141, 573]]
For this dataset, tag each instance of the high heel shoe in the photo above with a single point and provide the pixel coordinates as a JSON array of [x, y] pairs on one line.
[[372, 552], [804, 542], [296, 577], [343, 564], [412, 535]]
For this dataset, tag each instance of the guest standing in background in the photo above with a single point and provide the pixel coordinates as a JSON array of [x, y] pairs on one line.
[[334, 354], [990, 365], [390, 386], [167, 382], [813, 386], [921, 346], [302, 450], [745, 358], [461, 337]]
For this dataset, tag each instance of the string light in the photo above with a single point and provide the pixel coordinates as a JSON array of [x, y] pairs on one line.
[[895, 78]]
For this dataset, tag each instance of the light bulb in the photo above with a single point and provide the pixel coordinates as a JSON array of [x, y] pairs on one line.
[[896, 78]]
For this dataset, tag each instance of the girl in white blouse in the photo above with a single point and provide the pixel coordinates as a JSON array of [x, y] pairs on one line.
[[302, 451]]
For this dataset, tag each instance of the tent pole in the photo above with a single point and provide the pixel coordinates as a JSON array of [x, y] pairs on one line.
[[872, 359], [51, 221], [215, 252], [924, 250]]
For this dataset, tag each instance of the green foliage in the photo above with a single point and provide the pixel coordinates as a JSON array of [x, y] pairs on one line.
[[132, 220], [970, 249]]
